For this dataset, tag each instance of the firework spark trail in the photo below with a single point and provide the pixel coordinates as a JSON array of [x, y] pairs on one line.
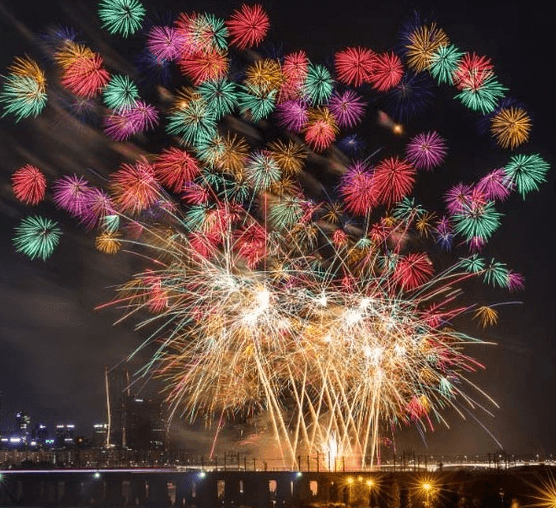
[[328, 316]]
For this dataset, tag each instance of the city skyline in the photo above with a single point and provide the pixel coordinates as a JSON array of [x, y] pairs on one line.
[[56, 346]]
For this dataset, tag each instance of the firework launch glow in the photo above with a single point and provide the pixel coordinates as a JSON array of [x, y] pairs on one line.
[[282, 276]]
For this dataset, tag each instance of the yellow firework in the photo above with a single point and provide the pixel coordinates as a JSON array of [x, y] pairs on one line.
[[70, 52], [236, 151], [289, 155], [109, 243], [423, 43], [486, 316], [27, 67], [511, 127], [264, 75]]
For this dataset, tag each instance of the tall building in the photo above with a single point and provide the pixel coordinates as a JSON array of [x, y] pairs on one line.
[[117, 401], [64, 435], [23, 425], [100, 433], [147, 426]]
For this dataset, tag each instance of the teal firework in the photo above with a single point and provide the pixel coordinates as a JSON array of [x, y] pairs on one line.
[[196, 217], [37, 237], [217, 28], [123, 17], [220, 95], [407, 209], [483, 98], [22, 97], [318, 85], [444, 61], [496, 274], [257, 102], [211, 150], [262, 171], [527, 172], [286, 213], [472, 264], [110, 223], [480, 220], [120, 93], [195, 123]]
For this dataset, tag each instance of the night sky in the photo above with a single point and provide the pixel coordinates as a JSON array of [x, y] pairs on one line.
[[54, 345]]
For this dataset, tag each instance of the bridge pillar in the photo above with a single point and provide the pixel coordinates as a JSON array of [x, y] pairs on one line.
[[114, 493], [72, 492], [158, 492], [138, 492]]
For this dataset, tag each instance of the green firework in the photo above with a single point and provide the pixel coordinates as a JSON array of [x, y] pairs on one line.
[[122, 17], [37, 237], [478, 221], [286, 213], [318, 85], [444, 61], [496, 274], [483, 98], [407, 209], [210, 151], [527, 172], [22, 97], [220, 95], [217, 28], [262, 171], [473, 263], [195, 123], [258, 102], [120, 93]]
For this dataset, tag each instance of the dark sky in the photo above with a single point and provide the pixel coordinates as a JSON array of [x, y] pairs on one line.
[[54, 346]]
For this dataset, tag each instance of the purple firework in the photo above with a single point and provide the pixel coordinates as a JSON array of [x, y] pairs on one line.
[[476, 244], [458, 198], [120, 126], [495, 186], [69, 194], [348, 108], [165, 43], [292, 115], [96, 205], [515, 282], [426, 150], [143, 116]]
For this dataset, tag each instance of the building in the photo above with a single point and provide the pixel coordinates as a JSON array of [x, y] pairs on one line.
[[100, 433], [65, 435], [23, 425], [146, 424]]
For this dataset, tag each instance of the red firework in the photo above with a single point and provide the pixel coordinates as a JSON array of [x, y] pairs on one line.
[[358, 190], [294, 70], [321, 130], [472, 71], [413, 270], [86, 76], [195, 194], [204, 66], [355, 66], [387, 72], [174, 168], [248, 26], [29, 184], [394, 179], [134, 187], [251, 243]]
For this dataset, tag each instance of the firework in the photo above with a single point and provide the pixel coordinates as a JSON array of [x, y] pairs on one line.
[[123, 17], [37, 237], [286, 280], [248, 26], [29, 184]]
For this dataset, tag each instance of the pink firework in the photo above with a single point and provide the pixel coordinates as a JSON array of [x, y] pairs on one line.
[[293, 115], [515, 282], [387, 71], [348, 108], [165, 43], [476, 244], [195, 194], [174, 168], [321, 130], [134, 187], [86, 76], [394, 179], [69, 193], [294, 70], [413, 270], [473, 70], [495, 185], [248, 26], [355, 66], [96, 205], [358, 190], [426, 150], [120, 126], [143, 116], [458, 198], [29, 184]]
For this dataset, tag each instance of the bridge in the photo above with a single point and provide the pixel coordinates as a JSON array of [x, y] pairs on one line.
[[259, 489]]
